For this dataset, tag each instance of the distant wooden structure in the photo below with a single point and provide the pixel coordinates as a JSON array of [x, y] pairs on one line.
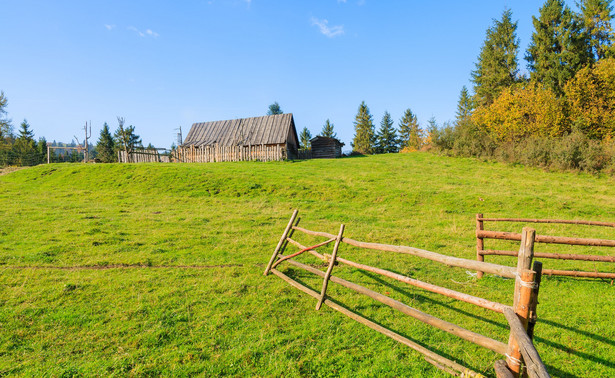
[[148, 155], [326, 148], [264, 138]]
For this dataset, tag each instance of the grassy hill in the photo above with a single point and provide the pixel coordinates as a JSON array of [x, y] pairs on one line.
[[157, 268]]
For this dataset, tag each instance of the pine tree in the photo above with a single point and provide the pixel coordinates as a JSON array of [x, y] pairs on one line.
[[464, 106], [327, 130], [274, 109], [105, 147], [364, 138], [386, 139], [558, 48], [597, 16], [304, 139], [497, 63], [5, 123], [410, 133], [42, 150], [125, 138], [25, 146]]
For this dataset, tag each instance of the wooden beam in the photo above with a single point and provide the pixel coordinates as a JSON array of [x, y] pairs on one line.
[[501, 270], [535, 366], [547, 239], [476, 338], [574, 273], [480, 243], [281, 242], [525, 220], [330, 268], [430, 356], [544, 255]]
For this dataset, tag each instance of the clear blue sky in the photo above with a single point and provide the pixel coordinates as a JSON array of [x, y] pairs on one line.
[[165, 64]]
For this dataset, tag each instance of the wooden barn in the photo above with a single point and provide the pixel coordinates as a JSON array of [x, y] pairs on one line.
[[264, 138], [326, 148]]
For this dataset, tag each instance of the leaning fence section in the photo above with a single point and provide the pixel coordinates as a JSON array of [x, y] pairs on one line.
[[142, 156], [482, 234], [520, 355], [217, 153]]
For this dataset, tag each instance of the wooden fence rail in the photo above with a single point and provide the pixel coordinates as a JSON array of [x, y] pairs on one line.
[[217, 153], [482, 234], [519, 354], [146, 156]]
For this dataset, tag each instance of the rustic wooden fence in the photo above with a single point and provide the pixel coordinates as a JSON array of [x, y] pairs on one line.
[[482, 234], [217, 153], [145, 156], [521, 316]]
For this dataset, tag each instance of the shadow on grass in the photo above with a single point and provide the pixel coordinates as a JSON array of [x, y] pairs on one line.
[[294, 274]]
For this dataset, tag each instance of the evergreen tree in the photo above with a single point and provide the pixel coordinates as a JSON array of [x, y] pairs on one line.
[[386, 139], [327, 130], [464, 106], [125, 138], [304, 139], [24, 147], [42, 150], [497, 62], [410, 133], [274, 109], [558, 48], [364, 138], [596, 16], [105, 148], [5, 123]]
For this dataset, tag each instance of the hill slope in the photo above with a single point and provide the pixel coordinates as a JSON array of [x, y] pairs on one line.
[[157, 268]]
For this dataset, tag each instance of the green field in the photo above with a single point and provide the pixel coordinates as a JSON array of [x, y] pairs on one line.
[[156, 269]]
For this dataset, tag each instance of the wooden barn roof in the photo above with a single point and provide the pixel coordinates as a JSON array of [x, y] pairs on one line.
[[273, 129]]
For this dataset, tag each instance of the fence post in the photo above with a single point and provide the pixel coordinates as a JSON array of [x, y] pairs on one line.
[[524, 284], [330, 268], [480, 243], [534, 303], [281, 242]]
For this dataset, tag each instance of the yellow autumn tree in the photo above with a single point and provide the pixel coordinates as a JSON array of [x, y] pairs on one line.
[[591, 99], [521, 111]]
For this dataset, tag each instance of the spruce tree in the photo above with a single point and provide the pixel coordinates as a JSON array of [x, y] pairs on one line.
[[105, 147], [327, 130], [497, 62], [24, 147], [410, 133], [558, 47], [386, 139], [364, 138], [464, 106], [304, 139], [597, 16], [5, 123], [274, 109], [125, 138]]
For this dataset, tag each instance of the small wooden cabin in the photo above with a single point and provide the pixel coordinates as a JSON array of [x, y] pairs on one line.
[[326, 148], [266, 138]]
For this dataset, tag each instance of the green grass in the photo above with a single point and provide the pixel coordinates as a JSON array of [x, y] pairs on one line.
[[156, 316]]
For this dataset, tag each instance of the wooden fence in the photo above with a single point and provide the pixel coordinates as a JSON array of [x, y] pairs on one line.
[[216, 153], [482, 234], [142, 156], [521, 316]]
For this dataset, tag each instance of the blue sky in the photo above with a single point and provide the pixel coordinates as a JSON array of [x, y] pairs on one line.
[[165, 64]]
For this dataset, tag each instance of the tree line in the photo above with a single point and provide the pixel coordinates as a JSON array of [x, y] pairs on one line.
[[561, 112], [21, 148]]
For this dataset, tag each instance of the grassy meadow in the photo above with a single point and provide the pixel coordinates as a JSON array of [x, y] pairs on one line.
[[156, 269]]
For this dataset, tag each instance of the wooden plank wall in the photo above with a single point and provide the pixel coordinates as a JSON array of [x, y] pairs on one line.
[[210, 154], [141, 157]]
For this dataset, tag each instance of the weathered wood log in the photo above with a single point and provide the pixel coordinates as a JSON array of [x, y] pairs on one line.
[[521, 296], [463, 371], [484, 341], [501, 371], [534, 301], [481, 302], [533, 362], [547, 239], [525, 220], [545, 255], [574, 273], [480, 243], [282, 240], [312, 252], [501, 270], [325, 282]]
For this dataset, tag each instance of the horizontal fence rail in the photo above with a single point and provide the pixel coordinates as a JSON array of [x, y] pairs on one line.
[[482, 234], [518, 354]]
